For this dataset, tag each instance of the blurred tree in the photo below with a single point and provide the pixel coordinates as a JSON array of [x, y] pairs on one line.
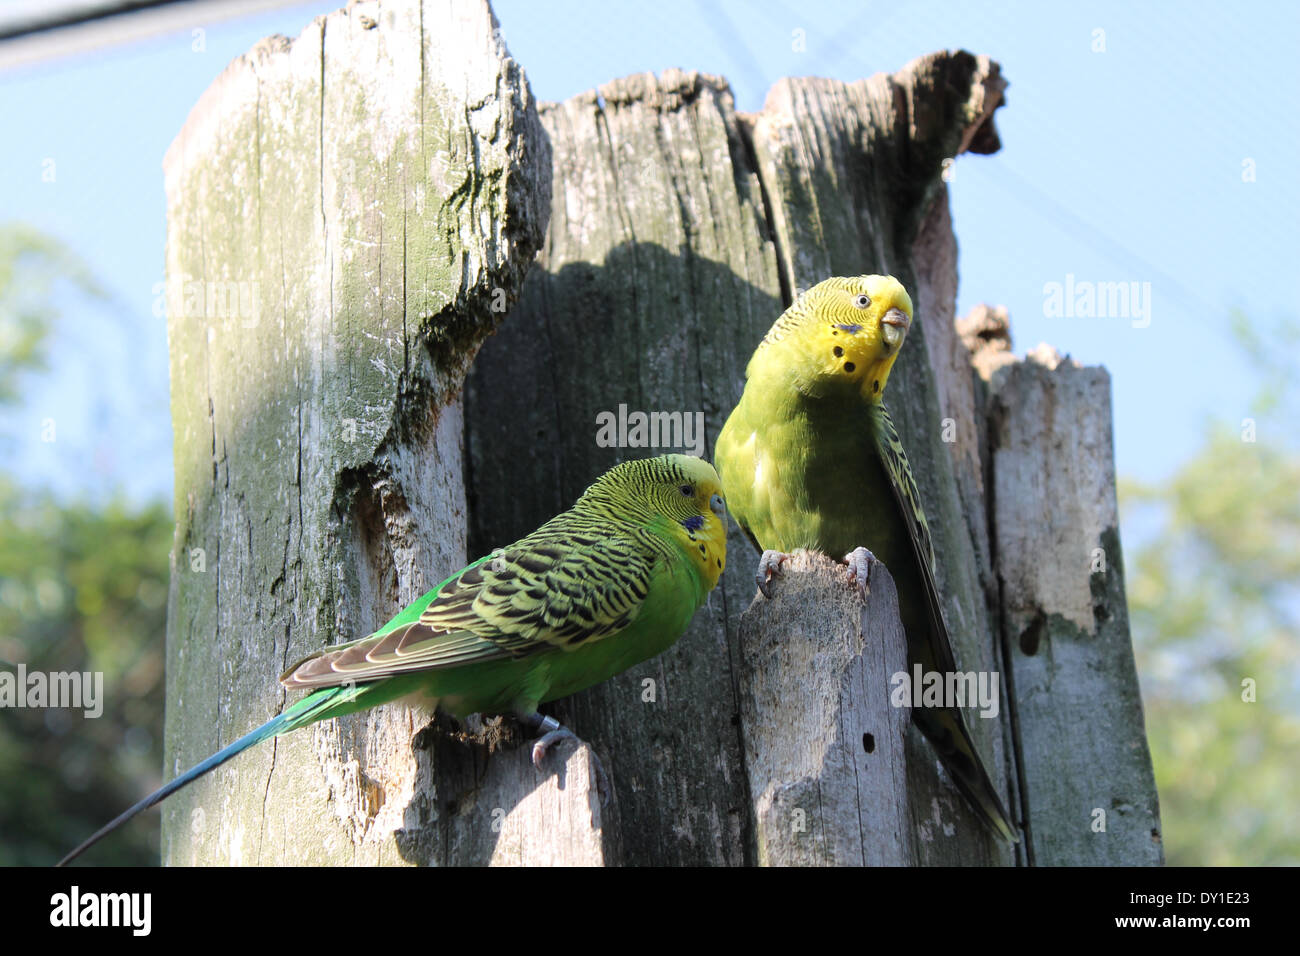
[[1214, 595], [31, 264], [83, 587]]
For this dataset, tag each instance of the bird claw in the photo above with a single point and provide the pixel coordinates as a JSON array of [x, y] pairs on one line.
[[769, 566], [555, 732], [860, 561]]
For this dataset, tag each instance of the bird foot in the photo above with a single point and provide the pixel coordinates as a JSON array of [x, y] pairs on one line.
[[769, 566], [554, 733], [860, 561]]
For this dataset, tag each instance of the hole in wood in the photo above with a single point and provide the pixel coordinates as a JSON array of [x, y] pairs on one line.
[[869, 743], [1033, 634]]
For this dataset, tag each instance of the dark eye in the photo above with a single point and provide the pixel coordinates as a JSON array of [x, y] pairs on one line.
[[861, 300], [687, 490]]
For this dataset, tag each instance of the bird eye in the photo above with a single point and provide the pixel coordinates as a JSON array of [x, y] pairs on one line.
[[717, 505], [687, 490], [861, 300]]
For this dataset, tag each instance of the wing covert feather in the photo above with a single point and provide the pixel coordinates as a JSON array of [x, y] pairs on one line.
[[550, 590]]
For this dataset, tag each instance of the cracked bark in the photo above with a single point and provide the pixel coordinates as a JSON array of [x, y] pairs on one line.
[[371, 218]]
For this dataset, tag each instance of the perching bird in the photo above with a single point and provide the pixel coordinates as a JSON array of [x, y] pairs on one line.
[[607, 584], [811, 460]]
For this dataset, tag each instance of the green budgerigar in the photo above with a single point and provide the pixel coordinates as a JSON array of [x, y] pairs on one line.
[[811, 460], [607, 584]]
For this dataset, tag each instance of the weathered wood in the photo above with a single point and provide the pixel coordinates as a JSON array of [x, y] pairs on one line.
[[376, 190], [824, 747], [679, 231], [558, 822], [500, 811], [853, 176], [1089, 789], [657, 278]]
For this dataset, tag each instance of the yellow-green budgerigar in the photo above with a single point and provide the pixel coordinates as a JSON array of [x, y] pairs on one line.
[[811, 460], [607, 584]]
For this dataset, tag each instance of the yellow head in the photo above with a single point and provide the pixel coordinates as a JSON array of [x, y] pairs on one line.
[[842, 332], [679, 496]]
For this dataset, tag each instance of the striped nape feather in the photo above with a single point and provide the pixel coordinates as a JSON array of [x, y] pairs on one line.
[[835, 303], [790, 321], [813, 305], [677, 495]]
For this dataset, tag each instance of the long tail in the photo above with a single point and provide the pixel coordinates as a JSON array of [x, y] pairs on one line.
[[314, 707], [947, 731]]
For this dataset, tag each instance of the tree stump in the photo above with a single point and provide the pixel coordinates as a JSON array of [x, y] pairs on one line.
[[824, 747], [349, 215], [1086, 777], [680, 231]]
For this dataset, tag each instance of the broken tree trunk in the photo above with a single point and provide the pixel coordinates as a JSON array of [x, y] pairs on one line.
[[1087, 786], [657, 276], [824, 748], [349, 215], [854, 176], [680, 230]]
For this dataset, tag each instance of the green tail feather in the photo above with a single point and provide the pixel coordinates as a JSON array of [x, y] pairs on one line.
[[324, 703]]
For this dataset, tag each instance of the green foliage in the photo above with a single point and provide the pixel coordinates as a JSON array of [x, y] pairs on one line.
[[1214, 596], [83, 587]]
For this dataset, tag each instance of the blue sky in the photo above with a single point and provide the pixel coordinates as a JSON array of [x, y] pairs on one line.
[[1122, 165]]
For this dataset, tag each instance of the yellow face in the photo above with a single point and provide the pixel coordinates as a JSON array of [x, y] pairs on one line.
[[678, 495], [689, 494], [853, 329]]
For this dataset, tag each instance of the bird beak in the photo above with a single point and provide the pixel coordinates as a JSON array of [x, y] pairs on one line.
[[894, 326], [897, 318]]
